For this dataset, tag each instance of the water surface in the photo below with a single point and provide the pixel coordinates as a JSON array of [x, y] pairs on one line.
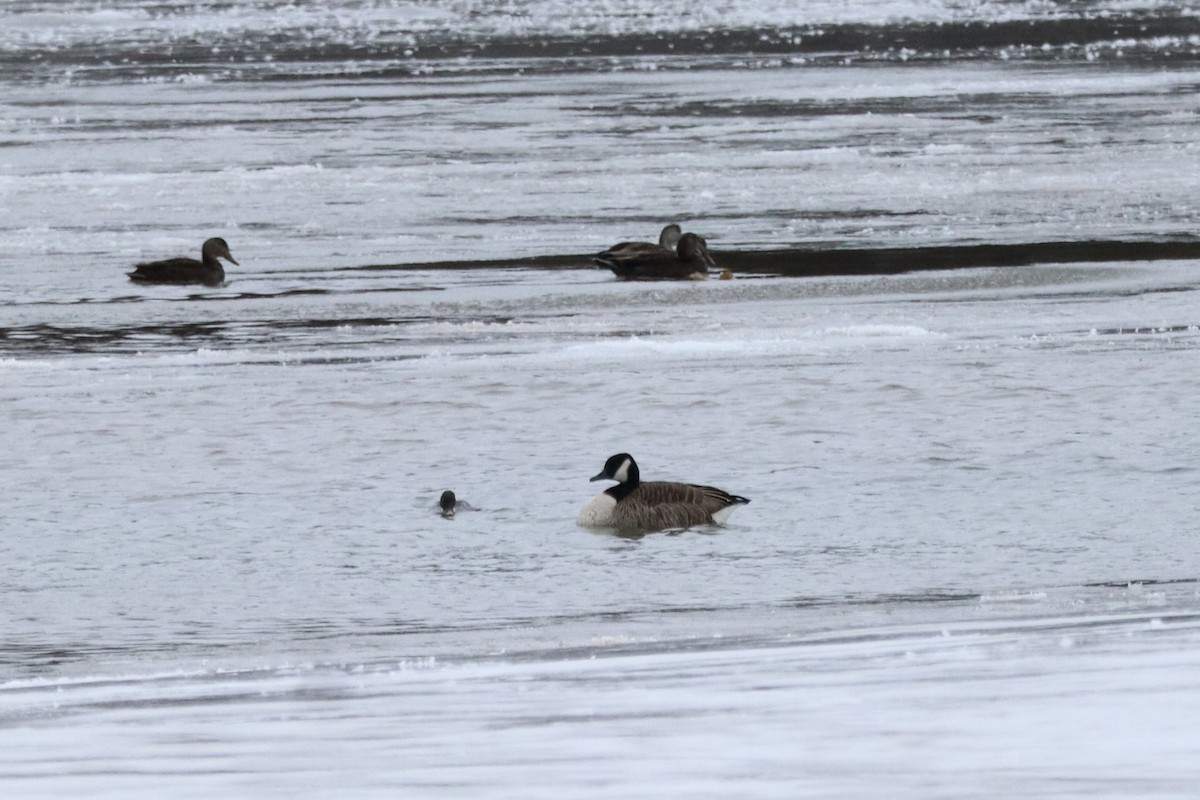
[[968, 567]]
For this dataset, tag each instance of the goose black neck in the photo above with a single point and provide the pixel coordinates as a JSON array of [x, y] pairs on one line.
[[632, 480]]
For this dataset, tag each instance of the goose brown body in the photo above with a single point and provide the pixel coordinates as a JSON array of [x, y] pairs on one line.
[[207, 271], [633, 505], [663, 504]]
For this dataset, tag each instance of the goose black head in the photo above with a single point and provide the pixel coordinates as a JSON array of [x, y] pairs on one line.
[[620, 468]]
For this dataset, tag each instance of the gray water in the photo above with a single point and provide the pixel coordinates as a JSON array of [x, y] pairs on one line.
[[968, 568]]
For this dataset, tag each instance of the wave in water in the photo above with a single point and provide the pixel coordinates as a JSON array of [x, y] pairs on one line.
[[272, 41]]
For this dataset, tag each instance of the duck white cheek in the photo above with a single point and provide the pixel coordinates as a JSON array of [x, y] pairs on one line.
[[598, 512]]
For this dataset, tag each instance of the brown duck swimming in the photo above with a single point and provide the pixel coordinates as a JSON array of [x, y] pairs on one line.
[[689, 261], [632, 505], [207, 270]]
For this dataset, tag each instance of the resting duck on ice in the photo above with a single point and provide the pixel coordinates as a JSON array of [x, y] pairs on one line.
[[207, 270], [637, 261], [632, 505], [666, 242]]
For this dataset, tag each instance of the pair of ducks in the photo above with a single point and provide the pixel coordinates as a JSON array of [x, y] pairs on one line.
[[635, 506], [677, 256]]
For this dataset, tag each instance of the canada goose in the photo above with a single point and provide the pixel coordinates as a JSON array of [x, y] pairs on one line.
[[448, 502], [635, 506], [666, 242], [207, 271], [690, 261]]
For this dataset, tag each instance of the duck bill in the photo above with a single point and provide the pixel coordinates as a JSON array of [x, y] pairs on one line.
[[600, 477]]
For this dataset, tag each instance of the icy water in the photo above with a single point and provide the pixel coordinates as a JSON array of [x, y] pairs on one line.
[[969, 567]]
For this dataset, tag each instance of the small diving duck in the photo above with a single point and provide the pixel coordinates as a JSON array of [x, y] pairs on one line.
[[207, 270], [632, 505], [448, 502], [689, 261]]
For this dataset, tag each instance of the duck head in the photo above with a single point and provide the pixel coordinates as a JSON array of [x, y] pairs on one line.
[[448, 501], [669, 236], [217, 247]]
